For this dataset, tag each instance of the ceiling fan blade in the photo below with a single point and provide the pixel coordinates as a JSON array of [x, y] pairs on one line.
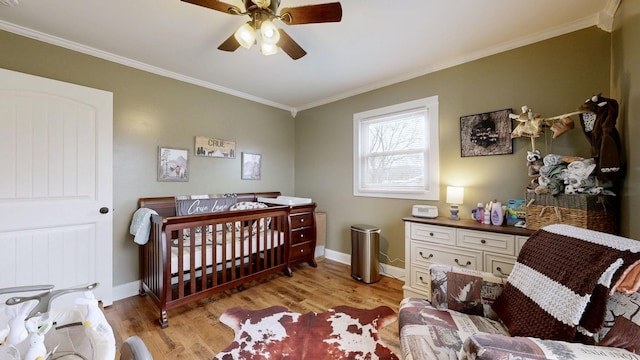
[[231, 44], [289, 46], [330, 12], [216, 5]]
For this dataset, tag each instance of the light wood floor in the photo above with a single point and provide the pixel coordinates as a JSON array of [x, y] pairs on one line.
[[194, 331]]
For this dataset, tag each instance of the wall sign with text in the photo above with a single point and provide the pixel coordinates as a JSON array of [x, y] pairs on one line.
[[211, 147]]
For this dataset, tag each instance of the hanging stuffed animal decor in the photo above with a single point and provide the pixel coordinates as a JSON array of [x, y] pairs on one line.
[[530, 125], [598, 122]]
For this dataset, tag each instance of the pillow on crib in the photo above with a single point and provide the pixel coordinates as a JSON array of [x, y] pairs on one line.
[[249, 205], [203, 204]]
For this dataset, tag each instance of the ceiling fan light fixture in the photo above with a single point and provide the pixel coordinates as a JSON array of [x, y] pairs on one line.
[[269, 33], [268, 49], [246, 35]]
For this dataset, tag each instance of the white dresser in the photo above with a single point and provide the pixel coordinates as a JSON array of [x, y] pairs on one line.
[[462, 243]]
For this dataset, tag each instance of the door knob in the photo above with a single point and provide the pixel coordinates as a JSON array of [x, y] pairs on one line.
[[104, 210]]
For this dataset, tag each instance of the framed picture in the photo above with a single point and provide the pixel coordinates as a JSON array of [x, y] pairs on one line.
[[173, 164], [215, 147], [486, 134], [251, 166]]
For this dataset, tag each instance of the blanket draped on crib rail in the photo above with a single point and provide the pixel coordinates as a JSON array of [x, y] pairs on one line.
[[561, 282], [141, 225]]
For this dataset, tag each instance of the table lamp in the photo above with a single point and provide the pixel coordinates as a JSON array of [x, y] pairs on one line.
[[454, 197]]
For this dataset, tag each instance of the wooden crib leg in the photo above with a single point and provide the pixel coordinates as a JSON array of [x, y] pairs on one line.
[[164, 319]]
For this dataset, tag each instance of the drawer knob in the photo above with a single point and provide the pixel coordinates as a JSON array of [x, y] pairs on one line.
[[483, 241], [499, 269], [430, 234], [422, 280], [301, 236], [426, 257], [301, 220], [465, 265]]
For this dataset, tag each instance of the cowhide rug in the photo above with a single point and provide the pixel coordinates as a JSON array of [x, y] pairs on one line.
[[277, 333]]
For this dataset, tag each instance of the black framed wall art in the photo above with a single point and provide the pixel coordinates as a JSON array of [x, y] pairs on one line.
[[486, 134]]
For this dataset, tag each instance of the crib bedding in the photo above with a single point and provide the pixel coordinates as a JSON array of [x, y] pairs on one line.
[[225, 247]]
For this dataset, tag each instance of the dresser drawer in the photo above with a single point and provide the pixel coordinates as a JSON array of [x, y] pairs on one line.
[[301, 250], [301, 235], [421, 281], [424, 254], [498, 264], [301, 220], [435, 234], [520, 242], [486, 241]]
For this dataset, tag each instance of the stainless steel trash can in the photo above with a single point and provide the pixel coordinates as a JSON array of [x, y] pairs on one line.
[[365, 247]]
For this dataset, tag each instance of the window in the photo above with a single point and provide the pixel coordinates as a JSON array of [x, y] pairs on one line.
[[395, 151]]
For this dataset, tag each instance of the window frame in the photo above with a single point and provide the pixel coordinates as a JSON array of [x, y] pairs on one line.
[[430, 191]]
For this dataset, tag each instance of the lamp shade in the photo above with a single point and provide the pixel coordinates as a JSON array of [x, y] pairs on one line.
[[269, 33], [246, 36], [268, 49], [455, 194]]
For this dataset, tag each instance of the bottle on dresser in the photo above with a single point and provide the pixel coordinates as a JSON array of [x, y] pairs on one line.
[[487, 214], [496, 213], [480, 212]]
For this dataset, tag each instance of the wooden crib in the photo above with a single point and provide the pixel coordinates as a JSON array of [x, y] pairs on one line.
[[188, 258]]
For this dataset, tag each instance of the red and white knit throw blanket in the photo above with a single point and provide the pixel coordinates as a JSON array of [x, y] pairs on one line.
[[561, 281]]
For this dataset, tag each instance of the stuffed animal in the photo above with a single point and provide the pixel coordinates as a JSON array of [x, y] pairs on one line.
[[534, 163], [17, 315], [94, 315], [530, 124], [37, 349]]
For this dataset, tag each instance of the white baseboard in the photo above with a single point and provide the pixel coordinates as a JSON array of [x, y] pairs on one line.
[[385, 269], [126, 290], [337, 256], [132, 288]]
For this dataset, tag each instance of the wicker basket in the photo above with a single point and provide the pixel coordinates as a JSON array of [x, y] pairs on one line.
[[596, 212]]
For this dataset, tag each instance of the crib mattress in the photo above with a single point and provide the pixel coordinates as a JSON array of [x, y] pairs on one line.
[[285, 200], [259, 242]]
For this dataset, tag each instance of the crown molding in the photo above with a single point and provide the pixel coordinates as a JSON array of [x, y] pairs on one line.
[[606, 16], [603, 20], [54, 40], [544, 35]]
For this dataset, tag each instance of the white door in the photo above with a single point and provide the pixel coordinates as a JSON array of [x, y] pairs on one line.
[[56, 186]]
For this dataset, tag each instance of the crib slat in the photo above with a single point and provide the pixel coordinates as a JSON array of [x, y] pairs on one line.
[[203, 254], [214, 256], [180, 264], [224, 257], [194, 236]]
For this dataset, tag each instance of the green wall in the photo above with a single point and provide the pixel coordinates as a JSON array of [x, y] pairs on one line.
[[551, 77], [625, 87], [151, 110]]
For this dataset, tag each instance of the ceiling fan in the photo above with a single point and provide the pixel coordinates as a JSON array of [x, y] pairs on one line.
[[262, 14]]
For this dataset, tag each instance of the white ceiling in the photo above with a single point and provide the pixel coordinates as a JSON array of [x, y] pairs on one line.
[[378, 42]]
